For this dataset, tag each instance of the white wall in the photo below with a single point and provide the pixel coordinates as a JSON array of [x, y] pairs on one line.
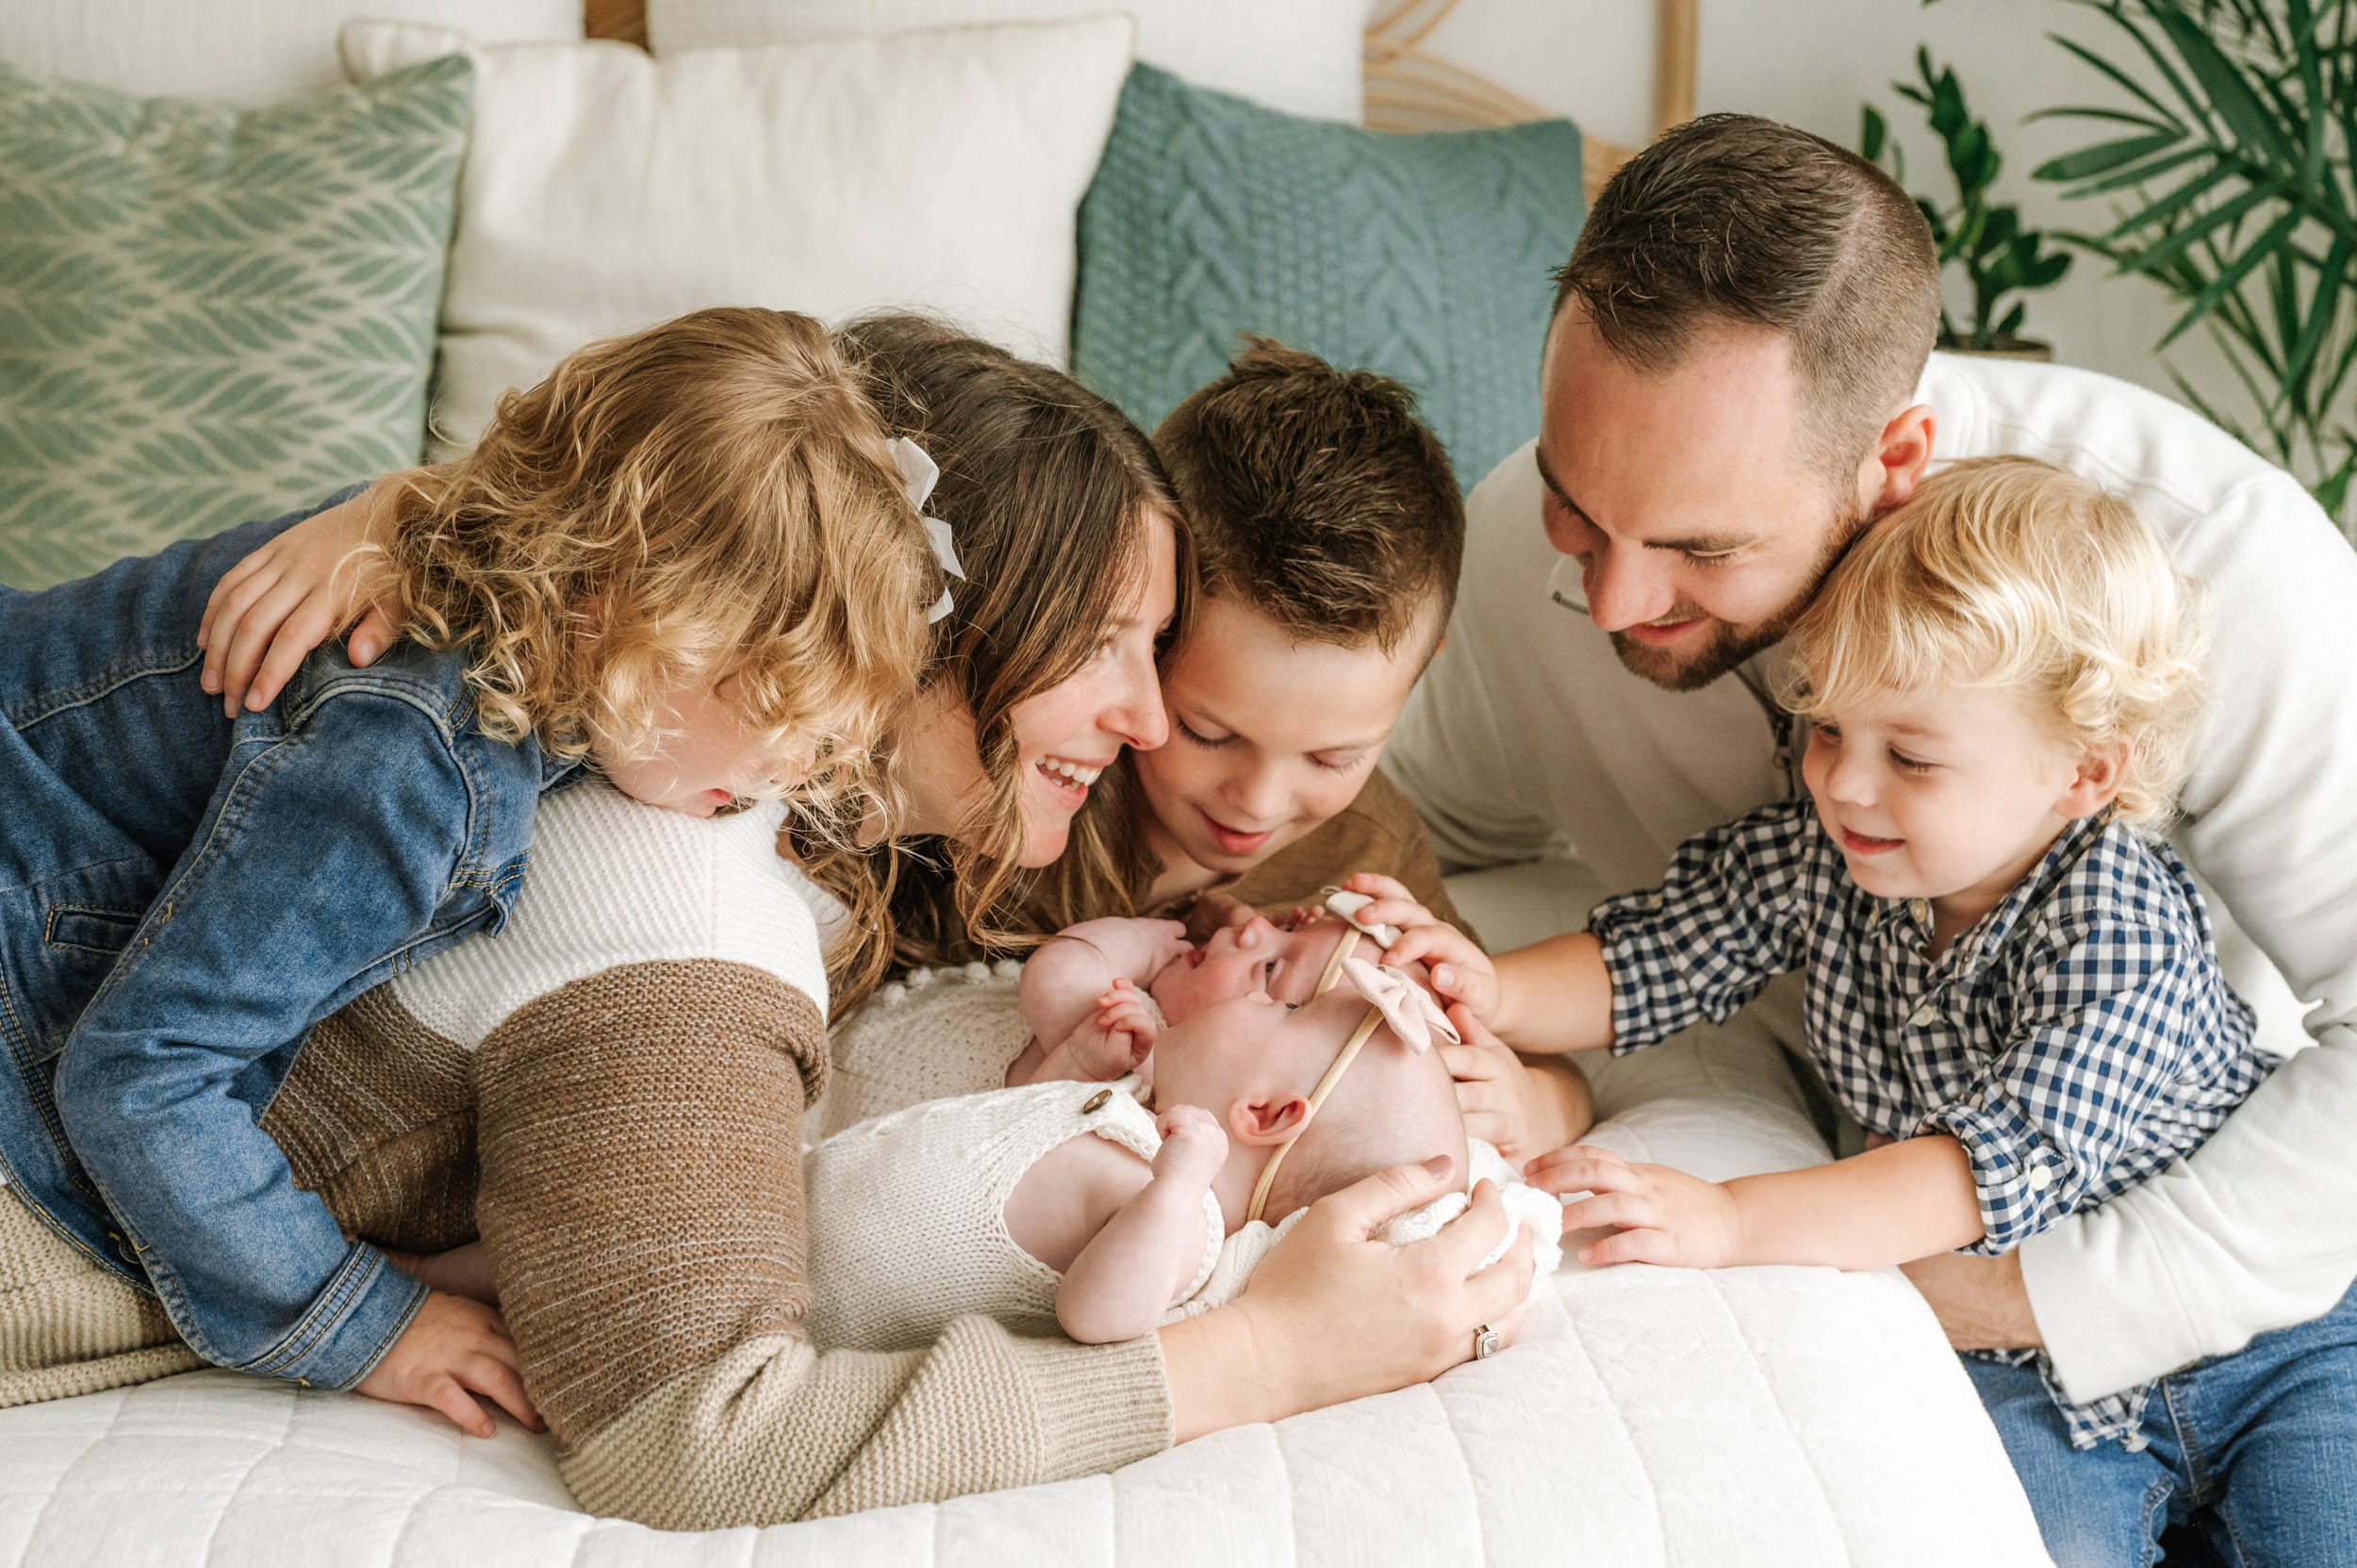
[[1812, 63]]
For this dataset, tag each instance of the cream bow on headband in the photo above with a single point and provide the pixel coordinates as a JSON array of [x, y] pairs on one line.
[[918, 474], [1395, 1000], [1345, 907], [1405, 1007]]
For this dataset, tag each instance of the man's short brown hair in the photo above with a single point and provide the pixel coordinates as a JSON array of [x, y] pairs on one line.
[[1318, 497], [1736, 219]]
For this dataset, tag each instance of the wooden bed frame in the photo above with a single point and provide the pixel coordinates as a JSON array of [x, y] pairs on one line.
[[1408, 88]]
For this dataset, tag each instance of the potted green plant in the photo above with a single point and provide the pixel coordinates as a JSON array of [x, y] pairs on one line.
[[2001, 259], [2226, 156]]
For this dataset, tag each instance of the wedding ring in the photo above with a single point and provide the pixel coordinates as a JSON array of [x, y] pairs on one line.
[[1487, 1341]]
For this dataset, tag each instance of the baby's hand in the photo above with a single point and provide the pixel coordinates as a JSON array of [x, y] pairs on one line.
[[1194, 1147], [1664, 1217], [1461, 972], [452, 1350], [1109, 1042]]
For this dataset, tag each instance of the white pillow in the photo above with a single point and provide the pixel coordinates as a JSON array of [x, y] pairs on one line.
[[605, 190], [1304, 56], [245, 51]]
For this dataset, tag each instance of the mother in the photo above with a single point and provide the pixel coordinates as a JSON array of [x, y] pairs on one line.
[[637, 1124]]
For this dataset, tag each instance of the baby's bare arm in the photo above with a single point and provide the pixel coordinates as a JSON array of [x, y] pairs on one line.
[[1063, 979], [1126, 1247]]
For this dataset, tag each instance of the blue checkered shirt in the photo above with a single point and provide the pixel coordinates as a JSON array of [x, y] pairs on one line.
[[2076, 1040]]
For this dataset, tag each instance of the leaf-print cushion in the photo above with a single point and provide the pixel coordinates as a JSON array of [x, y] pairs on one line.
[[209, 314]]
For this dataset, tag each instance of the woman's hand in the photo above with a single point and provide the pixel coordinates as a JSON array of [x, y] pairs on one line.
[[1662, 1216], [270, 610], [1461, 972], [1336, 1313], [1520, 1109]]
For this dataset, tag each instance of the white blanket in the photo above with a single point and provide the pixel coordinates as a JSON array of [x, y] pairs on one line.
[[1648, 1416]]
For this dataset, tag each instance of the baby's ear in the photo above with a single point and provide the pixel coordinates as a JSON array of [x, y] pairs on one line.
[[1268, 1121]]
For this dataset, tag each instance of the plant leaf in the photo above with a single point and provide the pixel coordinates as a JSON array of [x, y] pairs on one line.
[[2229, 90], [2230, 276], [2104, 156]]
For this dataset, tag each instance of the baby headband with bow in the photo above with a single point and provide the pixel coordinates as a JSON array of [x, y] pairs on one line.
[[919, 473], [1394, 999], [1345, 907]]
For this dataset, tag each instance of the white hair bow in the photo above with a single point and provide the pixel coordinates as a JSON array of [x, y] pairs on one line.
[[1407, 1007], [1345, 906], [919, 473]]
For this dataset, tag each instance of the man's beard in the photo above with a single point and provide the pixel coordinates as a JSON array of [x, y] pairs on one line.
[[1731, 645]]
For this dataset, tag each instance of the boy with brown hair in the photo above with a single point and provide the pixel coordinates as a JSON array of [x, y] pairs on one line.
[[1328, 528]]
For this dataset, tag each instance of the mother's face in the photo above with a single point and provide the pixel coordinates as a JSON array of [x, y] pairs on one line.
[[1068, 734]]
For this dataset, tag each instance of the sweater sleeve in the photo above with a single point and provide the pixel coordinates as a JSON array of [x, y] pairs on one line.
[[640, 1135]]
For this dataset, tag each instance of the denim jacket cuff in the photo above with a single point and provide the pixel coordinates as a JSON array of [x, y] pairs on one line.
[[348, 1326]]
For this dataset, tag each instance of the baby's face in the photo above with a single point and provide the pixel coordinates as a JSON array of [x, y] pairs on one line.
[[1249, 954]]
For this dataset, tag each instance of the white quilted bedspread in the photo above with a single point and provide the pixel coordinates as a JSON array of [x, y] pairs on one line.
[[1648, 1416]]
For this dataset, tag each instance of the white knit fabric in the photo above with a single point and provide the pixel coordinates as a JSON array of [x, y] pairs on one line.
[[908, 1213], [931, 1034], [614, 883], [952, 1032]]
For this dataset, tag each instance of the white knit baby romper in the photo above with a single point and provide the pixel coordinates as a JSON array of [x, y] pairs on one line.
[[907, 1214]]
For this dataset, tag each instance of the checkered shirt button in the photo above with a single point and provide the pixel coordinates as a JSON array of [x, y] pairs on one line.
[[1923, 1016], [2040, 1178]]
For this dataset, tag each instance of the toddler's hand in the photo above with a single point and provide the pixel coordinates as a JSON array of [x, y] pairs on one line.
[[270, 610], [452, 1350], [1192, 1148], [1461, 972], [1664, 1217]]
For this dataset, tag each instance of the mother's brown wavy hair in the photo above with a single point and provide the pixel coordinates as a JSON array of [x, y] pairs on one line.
[[1050, 491], [710, 500]]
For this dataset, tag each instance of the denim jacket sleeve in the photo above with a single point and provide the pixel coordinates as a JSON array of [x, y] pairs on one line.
[[329, 854]]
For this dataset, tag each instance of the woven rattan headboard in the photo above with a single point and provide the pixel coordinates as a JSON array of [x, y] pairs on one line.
[[1408, 89]]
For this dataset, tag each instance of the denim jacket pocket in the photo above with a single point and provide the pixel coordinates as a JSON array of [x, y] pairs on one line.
[[105, 932], [80, 945]]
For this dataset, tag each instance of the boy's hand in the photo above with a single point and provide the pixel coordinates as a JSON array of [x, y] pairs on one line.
[[1113, 1040], [270, 610], [1503, 1101], [1194, 1147], [452, 1351], [1664, 1217], [1461, 972]]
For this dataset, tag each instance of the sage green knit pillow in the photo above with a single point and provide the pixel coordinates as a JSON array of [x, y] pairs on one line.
[[1426, 258], [209, 314]]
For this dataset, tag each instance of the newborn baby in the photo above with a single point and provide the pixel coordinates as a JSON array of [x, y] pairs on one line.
[[1097, 993], [1059, 1200]]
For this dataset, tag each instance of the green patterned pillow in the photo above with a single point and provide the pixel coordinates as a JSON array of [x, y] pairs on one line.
[[209, 314], [1426, 258]]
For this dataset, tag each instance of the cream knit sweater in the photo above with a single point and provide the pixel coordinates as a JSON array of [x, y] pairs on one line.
[[615, 1085]]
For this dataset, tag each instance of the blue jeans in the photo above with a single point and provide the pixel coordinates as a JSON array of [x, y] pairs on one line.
[[182, 897], [2251, 1459]]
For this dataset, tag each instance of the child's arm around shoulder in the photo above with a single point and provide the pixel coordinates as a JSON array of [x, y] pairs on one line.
[[1126, 1238]]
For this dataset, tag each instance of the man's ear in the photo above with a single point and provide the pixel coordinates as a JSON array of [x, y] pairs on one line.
[[1887, 476], [2097, 783], [1268, 1122]]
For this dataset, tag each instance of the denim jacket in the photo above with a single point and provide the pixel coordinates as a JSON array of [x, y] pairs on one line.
[[182, 897]]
